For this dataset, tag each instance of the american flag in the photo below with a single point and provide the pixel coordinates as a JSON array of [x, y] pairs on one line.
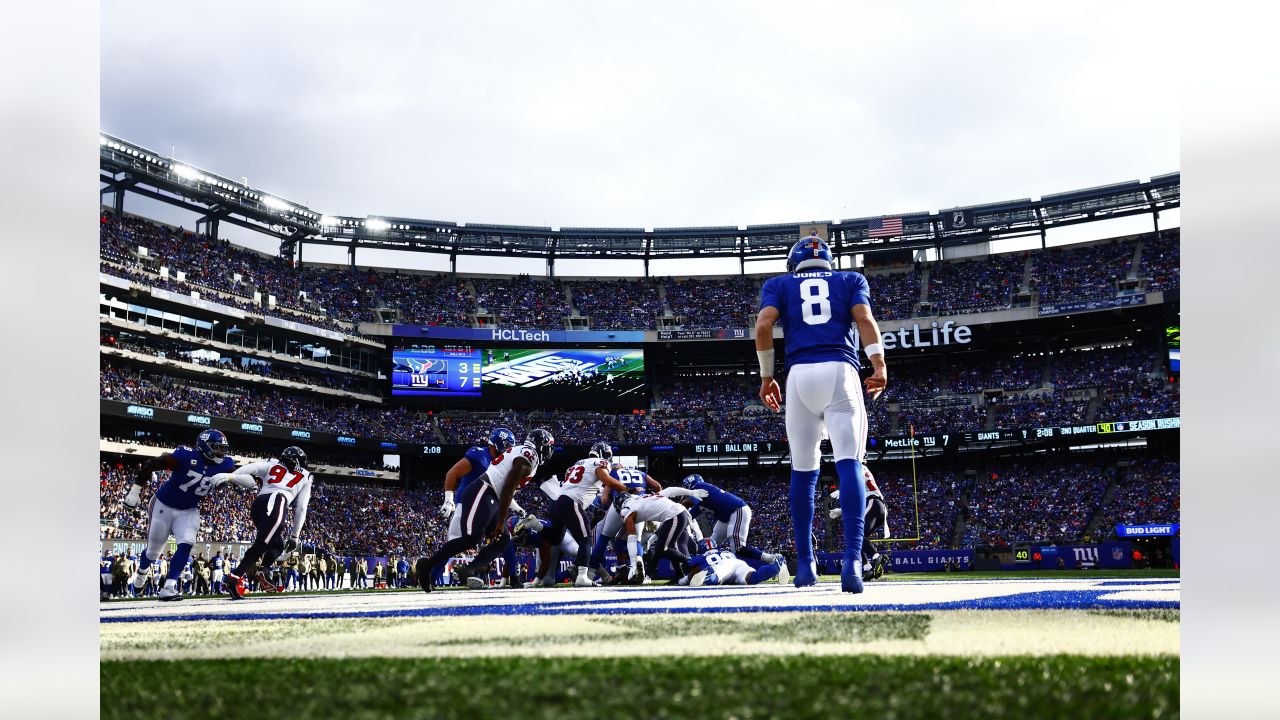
[[884, 227]]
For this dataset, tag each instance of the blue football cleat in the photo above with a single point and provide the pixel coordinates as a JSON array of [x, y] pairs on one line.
[[806, 573], [851, 577]]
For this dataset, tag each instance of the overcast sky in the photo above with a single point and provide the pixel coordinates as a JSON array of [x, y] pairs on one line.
[[653, 115]]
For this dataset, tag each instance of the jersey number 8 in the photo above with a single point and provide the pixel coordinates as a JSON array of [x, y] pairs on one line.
[[815, 294]]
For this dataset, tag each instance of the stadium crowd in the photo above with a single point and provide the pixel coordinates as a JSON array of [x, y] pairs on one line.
[[337, 297], [975, 285]]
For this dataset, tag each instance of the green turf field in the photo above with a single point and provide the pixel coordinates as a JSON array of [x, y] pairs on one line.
[[392, 654], [528, 688]]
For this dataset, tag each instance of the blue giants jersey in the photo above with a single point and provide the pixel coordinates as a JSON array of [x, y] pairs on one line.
[[632, 478], [815, 308], [721, 504], [191, 478], [478, 456]]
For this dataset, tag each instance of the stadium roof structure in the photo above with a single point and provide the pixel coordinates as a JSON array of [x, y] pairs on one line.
[[126, 167]]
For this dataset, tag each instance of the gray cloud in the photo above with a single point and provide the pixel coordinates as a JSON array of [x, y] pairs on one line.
[[656, 115]]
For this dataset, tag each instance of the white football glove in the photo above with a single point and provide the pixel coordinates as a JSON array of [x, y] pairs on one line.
[[837, 512], [134, 497], [447, 508], [700, 494], [529, 522]]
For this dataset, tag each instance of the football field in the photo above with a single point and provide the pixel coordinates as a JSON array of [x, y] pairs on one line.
[[1077, 646]]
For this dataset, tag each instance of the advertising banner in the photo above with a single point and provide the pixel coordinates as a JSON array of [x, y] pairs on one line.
[[115, 408], [931, 560], [1087, 305], [1167, 530], [708, 334], [520, 335]]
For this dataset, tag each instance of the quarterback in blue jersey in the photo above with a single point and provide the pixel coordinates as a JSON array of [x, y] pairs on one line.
[[472, 465], [174, 508], [733, 519], [824, 313]]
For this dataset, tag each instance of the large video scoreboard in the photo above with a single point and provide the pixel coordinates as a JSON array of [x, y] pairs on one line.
[[543, 377]]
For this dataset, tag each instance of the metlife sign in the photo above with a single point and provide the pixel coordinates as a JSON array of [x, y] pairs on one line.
[[936, 334]]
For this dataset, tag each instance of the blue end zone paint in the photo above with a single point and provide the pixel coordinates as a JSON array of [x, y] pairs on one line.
[[1035, 600]]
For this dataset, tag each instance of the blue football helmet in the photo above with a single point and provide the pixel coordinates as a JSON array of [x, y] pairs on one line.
[[690, 480], [602, 450], [502, 438], [213, 445], [809, 253]]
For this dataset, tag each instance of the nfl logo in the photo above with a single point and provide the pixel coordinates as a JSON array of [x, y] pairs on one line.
[[1117, 554]]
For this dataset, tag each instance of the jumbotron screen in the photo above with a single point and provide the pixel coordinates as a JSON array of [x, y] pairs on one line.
[[436, 371], [521, 377], [1173, 338]]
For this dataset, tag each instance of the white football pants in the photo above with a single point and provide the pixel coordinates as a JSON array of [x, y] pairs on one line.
[[825, 394]]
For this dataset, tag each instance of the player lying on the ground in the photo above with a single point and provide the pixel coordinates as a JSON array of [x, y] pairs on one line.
[[580, 490], [723, 567], [673, 525], [824, 313], [609, 529], [484, 506], [285, 481], [876, 521], [733, 519], [174, 507]]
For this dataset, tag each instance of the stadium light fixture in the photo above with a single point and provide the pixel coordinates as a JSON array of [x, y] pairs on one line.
[[185, 171], [328, 221], [376, 225], [276, 203], [102, 140]]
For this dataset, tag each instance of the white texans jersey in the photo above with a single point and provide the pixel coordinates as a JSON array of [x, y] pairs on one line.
[[498, 470], [580, 481], [276, 478], [650, 508]]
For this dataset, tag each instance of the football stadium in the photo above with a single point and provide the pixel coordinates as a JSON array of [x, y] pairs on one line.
[[887, 465], [1026, 449]]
